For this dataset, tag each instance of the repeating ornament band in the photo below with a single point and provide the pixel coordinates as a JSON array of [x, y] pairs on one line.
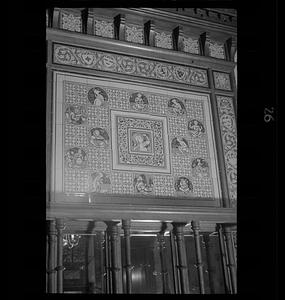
[[229, 139], [86, 58]]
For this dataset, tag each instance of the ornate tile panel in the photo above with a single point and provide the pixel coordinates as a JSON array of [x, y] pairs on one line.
[[229, 138], [134, 34], [113, 137], [163, 40], [191, 45], [216, 50], [70, 22], [104, 28], [222, 81], [76, 56]]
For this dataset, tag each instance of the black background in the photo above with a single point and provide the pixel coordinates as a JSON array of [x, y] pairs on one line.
[[257, 142]]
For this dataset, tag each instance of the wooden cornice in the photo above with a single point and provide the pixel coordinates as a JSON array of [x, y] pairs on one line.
[[137, 50]]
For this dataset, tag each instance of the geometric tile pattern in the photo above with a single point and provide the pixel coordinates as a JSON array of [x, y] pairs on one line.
[[229, 139], [155, 134], [98, 60]]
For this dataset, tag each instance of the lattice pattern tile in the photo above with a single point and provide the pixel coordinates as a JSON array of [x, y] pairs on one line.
[[76, 181], [122, 182], [163, 185]]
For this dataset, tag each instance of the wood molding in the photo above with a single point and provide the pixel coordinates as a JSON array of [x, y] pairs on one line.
[[101, 212]]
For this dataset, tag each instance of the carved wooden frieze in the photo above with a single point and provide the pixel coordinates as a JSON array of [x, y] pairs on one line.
[[98, 60], [222, 81], [229, 139]]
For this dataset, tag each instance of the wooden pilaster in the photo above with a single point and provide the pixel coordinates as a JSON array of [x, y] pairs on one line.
[[195, 227], [126, 224], [178, 230], [115, 255], [59, 267], [51, 257]]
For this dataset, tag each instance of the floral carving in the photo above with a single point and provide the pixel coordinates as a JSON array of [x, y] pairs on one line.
[[81, 57], [228, 131]]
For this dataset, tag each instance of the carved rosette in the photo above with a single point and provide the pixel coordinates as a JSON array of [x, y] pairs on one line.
[[191, 46], [134, 34], [104, 28], [229, 139], [70, 22], [216, 50], [85, 58], [163, 40]]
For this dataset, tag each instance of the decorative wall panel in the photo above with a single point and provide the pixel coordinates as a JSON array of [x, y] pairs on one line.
[[217, 50], [229, 137], [163, 40], [134, 34], [191, 45], [91, 59], [70, 22], [222, 81], [104, 28], [118, 138]]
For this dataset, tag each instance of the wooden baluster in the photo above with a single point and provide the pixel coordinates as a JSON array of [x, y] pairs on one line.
[[228, 286], [126, 227], [51, 257], [177, 289], [162, 254], [210, 260], [195, 227], [59, 268], [107, 264], [231, 259], [116, 263], [178, 230]]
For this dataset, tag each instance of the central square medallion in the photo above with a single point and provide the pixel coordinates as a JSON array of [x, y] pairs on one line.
[[139, 142]]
